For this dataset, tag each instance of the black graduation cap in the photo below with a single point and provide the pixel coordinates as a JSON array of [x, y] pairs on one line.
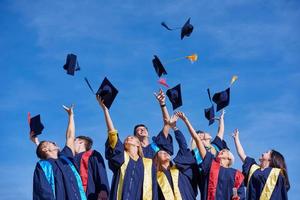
[[222, 99], [159, 68], [71, 64], [186, 29], [209, 113], [106, 91], [36, 125], [174, 95]]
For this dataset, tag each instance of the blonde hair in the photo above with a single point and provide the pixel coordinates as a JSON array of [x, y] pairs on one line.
[[158, 163], [140, 149]]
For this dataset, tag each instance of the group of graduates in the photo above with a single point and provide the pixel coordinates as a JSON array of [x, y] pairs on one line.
[[143, 169]]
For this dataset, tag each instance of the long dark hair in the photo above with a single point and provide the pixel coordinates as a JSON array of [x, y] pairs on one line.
[[277, 161]]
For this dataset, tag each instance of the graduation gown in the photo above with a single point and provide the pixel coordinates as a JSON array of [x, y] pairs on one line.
[[258, 180], [185, 165], [150, 150], [201, 180], [130, 177], [93, 173], [220, 181], [64, 184]]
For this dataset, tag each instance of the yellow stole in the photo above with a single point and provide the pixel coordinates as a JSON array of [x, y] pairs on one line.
[[270, 183], [166, 187], [147, 184]]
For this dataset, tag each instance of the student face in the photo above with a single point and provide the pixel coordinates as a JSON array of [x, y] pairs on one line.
[[224, 157], [51, 147], [78, 144], [163, 156], [265, 157], [131, 141], [141, 131], [205, 138]]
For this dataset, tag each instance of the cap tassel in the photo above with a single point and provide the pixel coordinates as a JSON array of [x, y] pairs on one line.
[[233, 79], [167, 27], [193, 58], [88, 83], [163, 82]]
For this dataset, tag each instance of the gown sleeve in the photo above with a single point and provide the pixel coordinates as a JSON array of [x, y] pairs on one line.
[[100, 173], [41, 187], [114, 151]]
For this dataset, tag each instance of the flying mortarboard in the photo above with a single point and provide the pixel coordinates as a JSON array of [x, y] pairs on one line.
[[106, 91], [222, 99], [210, 112], [159, 68], [35, 124], [174, 95], [71, 64], [186, 29]]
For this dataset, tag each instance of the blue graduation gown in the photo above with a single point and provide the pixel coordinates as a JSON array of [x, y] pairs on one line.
[[258, 180], [150, 150], [65, 181], [134, 174], [186, 164], [225, 182], [201, 179], [97, 177]]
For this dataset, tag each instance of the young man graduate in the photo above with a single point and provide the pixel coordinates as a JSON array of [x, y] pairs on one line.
[[55, 175], [91, 168], [141, 130]]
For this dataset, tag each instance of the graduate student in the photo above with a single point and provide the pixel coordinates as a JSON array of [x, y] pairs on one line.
[[141, 130], [134, 177], [55, 175], [175, 180], [91, 168], [266, 180], [222, 181]]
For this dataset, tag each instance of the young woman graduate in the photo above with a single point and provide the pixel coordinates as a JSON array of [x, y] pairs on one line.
[[141, 130], [55, 175], [134, 177], [91, 168], [175, 181], [269, 179], [223, 182]]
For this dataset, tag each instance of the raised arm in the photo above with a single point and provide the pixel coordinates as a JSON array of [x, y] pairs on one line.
[[112, 132], [220, 133], [108, 120], [34, 138], [70, 133], [238, 145], [161, 98], [193, 133]]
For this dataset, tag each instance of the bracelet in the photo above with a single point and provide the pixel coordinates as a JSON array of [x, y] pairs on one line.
[[163, 105]]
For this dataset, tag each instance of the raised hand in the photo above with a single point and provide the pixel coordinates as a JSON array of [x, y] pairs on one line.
[[161, 97], [69, 109], [172, 121], [235, 134], [34, 138], [101, 102], [221, 117], [181, 115]]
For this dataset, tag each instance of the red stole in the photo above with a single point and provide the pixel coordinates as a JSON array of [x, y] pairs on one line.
[[213, 180], [84, 167]]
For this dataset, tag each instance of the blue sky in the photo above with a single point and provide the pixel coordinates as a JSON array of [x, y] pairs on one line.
[[256, 40]]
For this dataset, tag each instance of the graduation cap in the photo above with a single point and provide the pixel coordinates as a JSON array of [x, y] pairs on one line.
[[209, 113], [71, 64], [186, 29], [35, 125], [174, 95], [222, 99], [159, 68], [106, 91]]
